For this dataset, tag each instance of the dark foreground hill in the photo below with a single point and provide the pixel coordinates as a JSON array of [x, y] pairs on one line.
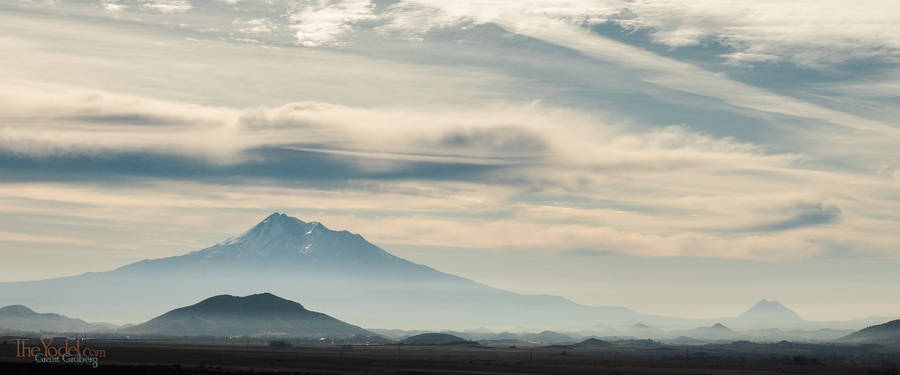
[[434, 339], [258, 315], [592, 343], [22, 319], [886, 334]]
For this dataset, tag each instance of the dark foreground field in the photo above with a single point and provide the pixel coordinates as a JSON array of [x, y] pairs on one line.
[[176, 357]]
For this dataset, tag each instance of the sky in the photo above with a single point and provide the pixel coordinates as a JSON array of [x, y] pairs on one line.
[[682, 158]]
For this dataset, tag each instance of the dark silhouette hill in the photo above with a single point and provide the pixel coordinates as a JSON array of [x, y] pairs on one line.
[[434, 339], [258, 315], [887, 334], [592, 343], [22, 318]]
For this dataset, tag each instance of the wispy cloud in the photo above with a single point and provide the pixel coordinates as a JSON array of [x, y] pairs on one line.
[[323, 22], [533, 133], [802, 32], [676, 192], [29, 238]]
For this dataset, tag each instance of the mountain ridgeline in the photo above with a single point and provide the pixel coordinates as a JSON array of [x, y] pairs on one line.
[[886, 334]]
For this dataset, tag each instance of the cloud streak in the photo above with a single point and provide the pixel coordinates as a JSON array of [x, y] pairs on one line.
[[677, 192], [533, 133]]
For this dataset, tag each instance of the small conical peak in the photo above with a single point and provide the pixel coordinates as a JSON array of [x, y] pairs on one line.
[[771, 311], [768, 307], [719, 326]]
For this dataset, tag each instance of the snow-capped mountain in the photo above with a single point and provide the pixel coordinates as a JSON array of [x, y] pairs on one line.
[[283, 237], [335, 271], [282, 242], [282, 246]]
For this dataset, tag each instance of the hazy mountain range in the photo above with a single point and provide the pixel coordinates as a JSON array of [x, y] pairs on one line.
[[265, 315], [20, 318], [717, 333], [345, 275]]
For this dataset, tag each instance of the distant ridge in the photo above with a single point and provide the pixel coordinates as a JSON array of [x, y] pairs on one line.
[[24, 319], [257, 315], [887, 334]]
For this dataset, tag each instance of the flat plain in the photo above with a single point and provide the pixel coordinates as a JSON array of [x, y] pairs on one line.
[[258, 357]]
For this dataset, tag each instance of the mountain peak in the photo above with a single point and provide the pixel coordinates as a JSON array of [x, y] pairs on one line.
[[280, 220], [254, 302], [720, 326], [275, 216], [279, 223], [280, 237]]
